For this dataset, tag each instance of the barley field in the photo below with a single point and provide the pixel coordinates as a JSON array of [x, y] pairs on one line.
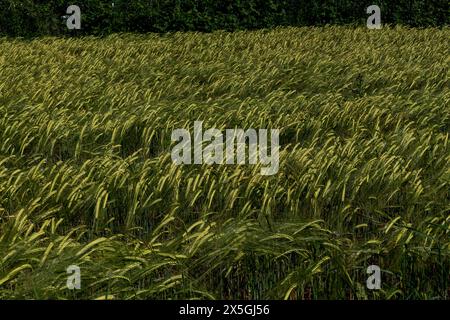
[[87, 179]]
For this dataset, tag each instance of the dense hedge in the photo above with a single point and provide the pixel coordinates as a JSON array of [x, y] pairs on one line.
[[40, 17]]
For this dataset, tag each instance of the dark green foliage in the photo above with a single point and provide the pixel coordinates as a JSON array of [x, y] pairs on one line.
[[38, 17]]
